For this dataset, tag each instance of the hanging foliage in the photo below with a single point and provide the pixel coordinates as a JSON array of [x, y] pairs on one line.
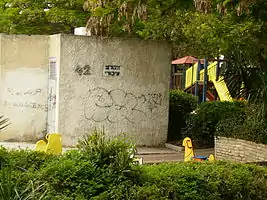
[[107, 15]]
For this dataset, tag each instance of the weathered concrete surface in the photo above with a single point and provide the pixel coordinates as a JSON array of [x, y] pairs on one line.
[[23, 63], [118, 84], [156, 155], [134, 102]]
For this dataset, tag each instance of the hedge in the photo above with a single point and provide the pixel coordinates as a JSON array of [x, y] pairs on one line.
[[181, 104], [201, 125], [210, 181], [252, 127], [71, 177], [80, 175]]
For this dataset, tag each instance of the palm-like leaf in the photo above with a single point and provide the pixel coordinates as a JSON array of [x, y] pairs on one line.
[[4, 122], [245, 78]]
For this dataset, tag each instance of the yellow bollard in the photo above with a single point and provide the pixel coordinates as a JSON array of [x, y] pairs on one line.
[[188, 152], [211, 158], [40, 146], [54, 144]]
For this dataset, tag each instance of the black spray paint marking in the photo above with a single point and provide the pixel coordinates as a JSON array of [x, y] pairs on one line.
[[83, 70], [116, 105], [34, 106], [152, 100], [28, 92]]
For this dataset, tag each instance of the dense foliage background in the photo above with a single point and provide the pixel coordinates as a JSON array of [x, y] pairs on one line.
[[202, 125], [181, 105]]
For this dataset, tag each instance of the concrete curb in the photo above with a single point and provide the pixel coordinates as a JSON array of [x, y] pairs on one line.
[[174, 147], [155, 153]]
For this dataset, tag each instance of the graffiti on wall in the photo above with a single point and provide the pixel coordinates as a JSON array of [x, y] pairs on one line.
[[83, 70], [52, 100], [31, 105], [25, 88], [23, 95], [28, 92], [152, 100], [52, 95], [117, 105]]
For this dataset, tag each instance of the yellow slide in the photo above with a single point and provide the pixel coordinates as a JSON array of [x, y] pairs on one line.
[[219, 85], [222, 90]]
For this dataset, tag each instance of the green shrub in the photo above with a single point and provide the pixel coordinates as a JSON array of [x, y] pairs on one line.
[[4, 156], [13, 187], [118, 151], [24, 159], [203, 181], [97, 171], [252, 128], [181, 104], [201, 125], [4, 122]]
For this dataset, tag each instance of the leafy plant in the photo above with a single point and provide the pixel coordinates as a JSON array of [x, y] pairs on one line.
[[10, 190], [93, 171], [117, 151], [4, 122], [181, 104], [203, 181], [201, 125], [251, 128], [41, 17]]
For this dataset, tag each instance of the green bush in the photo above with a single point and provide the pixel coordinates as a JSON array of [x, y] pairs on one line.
[[201, 125], [181, 104], [203, 181], [97, 171], [24, 159], [11, 188], [102, 150], [252, 127]]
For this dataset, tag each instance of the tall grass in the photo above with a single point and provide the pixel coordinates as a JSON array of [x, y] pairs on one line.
[[11, 189]]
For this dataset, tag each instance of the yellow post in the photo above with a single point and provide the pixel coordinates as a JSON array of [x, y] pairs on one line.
[[54, 144], [211, 158], [188, 151], [40, 145]]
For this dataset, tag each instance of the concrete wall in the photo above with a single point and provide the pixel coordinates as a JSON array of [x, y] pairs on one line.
[[74, 84], [91, 95], [239, 150], [24, 64]]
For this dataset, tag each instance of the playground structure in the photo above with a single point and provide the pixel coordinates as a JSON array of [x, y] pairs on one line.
[[189, 154], [203, 80]]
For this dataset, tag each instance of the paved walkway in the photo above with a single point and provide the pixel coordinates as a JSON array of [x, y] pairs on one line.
[[160, 155], [149, 155]]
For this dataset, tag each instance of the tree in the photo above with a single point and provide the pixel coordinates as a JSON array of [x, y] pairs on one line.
[[41, 17], [253, 62], [115, 17], [129, 17]]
